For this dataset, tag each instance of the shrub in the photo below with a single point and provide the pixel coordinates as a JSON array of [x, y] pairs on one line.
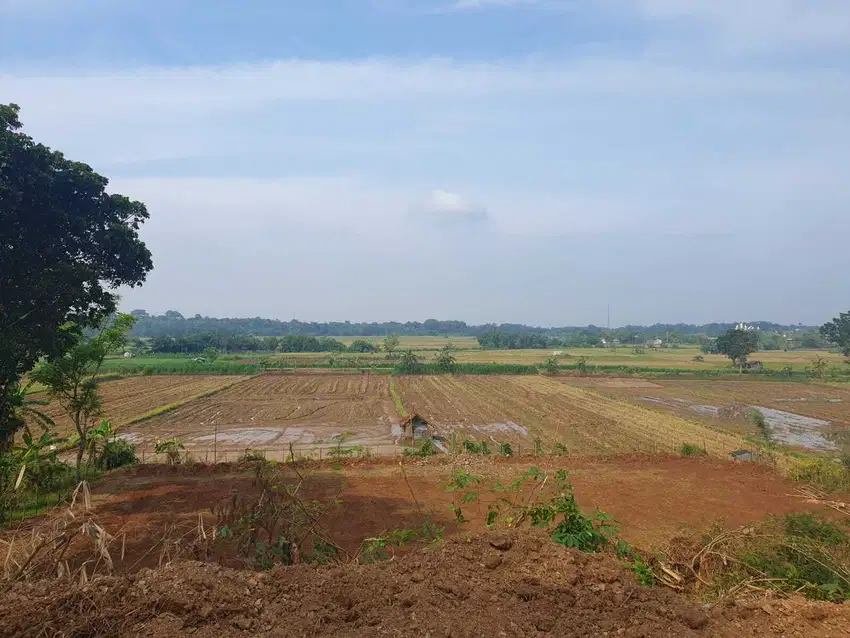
[[252, 456], [688, 449], [823, 473], [559, 449], [476, 448], [505, 449], [171, 448], [426, 448], [117, 453]]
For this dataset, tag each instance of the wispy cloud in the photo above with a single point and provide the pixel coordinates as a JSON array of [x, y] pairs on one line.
[[700, 134]]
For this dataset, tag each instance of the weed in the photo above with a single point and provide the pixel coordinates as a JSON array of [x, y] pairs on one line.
[[172, 448], [117, 453], [505, 449], [643, 572], [756, 417], [559, 449], [689, 449], [471, 447], [252, 456], [397, 399], [426, 448], [538, 446], [823, 473]]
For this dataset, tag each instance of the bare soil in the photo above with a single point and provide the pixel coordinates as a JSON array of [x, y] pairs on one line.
[[125, 399], [148, 507], [516, 584], [812, 415], [270, 412]]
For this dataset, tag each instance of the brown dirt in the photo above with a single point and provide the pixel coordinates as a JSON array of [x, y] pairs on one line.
[[520, 408], [652, 498], [516, 584], [271, 411], [124, 399]]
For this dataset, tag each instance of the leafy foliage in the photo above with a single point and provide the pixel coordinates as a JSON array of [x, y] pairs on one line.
[[172, 448], [471, 447], [689, 449], [426, 448], [71, 379], [446, 361], [408, 363], [65, 243], [117, 453], [362, 346], [737, 344], [837, 332]]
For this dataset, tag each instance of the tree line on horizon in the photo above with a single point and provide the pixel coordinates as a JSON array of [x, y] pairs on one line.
[[173, 324]]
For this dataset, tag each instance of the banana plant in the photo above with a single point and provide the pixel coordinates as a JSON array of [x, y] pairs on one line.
[[26, 409]]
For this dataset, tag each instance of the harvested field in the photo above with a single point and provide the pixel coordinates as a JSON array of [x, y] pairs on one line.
[[812, 415], [270, 412], [126, 399], [520, 409]]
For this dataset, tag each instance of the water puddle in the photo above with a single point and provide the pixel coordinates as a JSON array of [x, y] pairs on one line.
[[796, 429], [786, 427]]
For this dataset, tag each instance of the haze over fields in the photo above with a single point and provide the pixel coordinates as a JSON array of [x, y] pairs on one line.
[[490, 160]]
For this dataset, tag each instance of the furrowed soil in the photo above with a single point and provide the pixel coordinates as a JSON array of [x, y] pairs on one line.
[[518, 409], [517, 584], [824, 408], [126, 399], [269, 412]]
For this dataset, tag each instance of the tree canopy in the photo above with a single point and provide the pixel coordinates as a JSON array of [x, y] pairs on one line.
[[837, 331], [738, 344], [65, 244]]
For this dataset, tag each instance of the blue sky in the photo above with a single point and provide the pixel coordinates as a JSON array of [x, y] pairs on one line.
[[682, 160]]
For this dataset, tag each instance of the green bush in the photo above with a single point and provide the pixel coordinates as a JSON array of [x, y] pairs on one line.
[[117, 453], [426, 448], [472, 447], [505, 449], [688, 449]]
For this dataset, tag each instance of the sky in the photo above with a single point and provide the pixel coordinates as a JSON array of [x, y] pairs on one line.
[[528, 161]]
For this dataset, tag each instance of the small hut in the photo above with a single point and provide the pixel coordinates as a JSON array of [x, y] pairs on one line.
[[414, 426]]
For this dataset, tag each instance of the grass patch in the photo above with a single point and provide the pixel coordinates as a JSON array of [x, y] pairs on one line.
[[399, 403], [822, 473], [689, 449]]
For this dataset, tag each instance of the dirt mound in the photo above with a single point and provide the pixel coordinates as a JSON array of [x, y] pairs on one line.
[[492, 585]]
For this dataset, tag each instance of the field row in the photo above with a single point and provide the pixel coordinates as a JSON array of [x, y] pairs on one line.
[[272, 412], [585, 416]]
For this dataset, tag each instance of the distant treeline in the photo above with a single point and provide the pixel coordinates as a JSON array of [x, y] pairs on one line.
[[174, 324], [199, 343]]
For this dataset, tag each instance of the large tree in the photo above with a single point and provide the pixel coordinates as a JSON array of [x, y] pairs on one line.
[[65, 244], [738, 344], [837, 331]]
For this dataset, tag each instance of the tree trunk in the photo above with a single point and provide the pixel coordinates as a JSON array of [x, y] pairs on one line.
[[80, 450]]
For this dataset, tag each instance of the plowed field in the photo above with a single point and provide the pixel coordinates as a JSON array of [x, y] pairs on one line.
[[724, 403], [126, 399], [270, 412], [519, 409]]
